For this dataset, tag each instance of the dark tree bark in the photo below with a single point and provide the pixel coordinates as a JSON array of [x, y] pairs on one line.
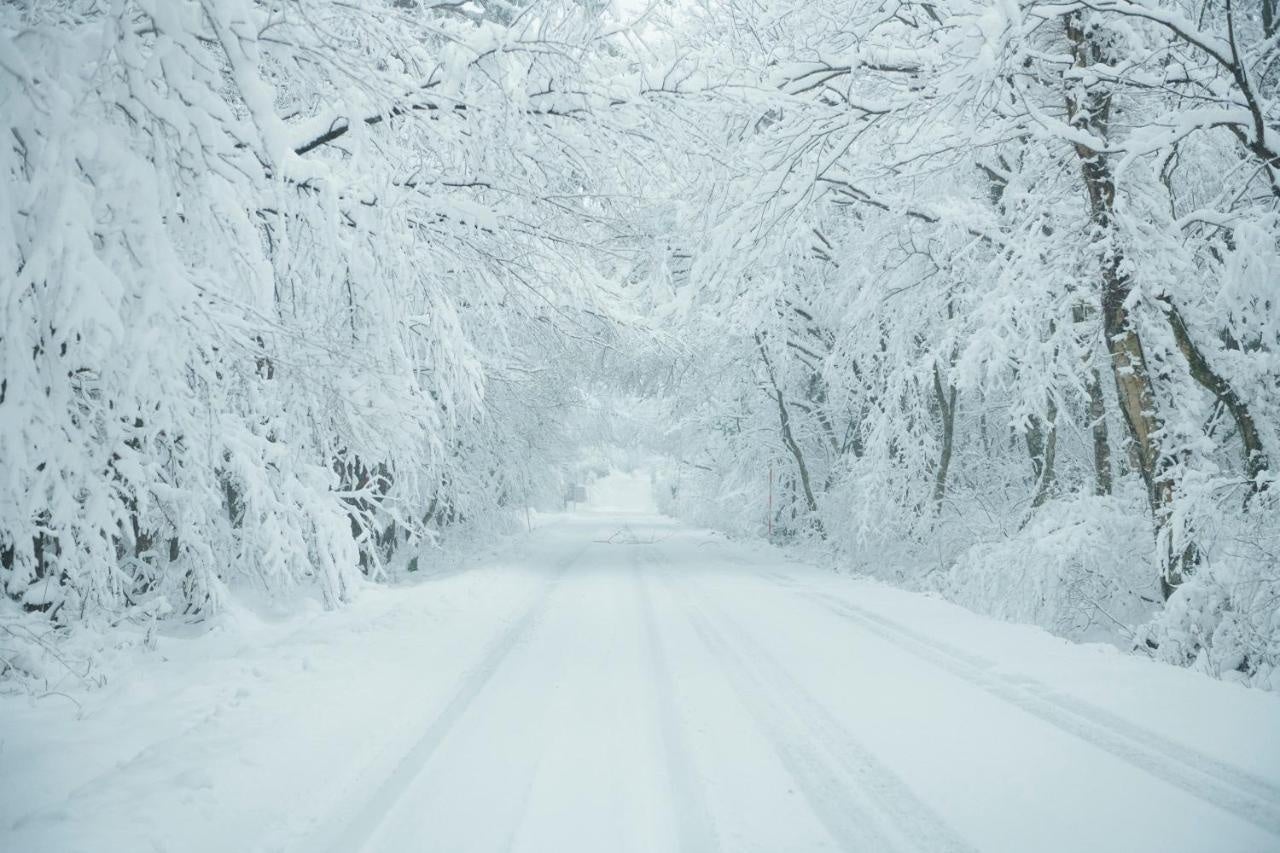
[[1082, 314], [1255, 457], [788, 439], [1091, 112], [1098, 427], [1042, 446], [946, 399]]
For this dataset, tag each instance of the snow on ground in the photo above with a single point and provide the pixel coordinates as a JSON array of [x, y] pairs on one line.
[[625, 683]]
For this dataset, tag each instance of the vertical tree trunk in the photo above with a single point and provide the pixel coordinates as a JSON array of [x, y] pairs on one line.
[[1090, 111], [947, 416], [1042, 445], [784, 421], [1098, 426], [1097, 411]]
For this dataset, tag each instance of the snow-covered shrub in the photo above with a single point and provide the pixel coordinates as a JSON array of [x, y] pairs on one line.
[[1225, 620], [1080, 563]]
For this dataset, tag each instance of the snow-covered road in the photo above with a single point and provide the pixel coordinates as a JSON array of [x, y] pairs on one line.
[[623, 683]]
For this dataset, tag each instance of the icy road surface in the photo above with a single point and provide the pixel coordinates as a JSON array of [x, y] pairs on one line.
[[617, 682]]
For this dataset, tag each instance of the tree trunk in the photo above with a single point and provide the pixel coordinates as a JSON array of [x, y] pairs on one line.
[[947, 416], [1097, 411], [1042, 445], [784, 422], [1255, 458], [1098, 426], [1134, 389]]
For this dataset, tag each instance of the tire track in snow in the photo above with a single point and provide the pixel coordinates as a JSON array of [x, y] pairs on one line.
[[1229, 788], [862, 803], [697, 832], [356, 831]]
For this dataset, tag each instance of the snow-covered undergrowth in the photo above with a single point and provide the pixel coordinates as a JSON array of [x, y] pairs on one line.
[[52, 661], [1225, 620], [1079, 568]]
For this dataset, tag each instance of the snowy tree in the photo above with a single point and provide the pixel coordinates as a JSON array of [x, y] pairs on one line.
[[285, 280], [1016, 233]]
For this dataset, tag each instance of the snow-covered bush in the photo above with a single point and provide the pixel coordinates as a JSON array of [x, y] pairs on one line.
[[1225, 620], [1081, 567]]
